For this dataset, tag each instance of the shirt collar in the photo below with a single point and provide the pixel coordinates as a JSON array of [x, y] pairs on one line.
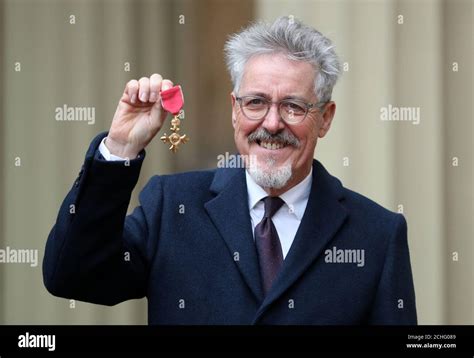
[[255, 191], [296, 198]]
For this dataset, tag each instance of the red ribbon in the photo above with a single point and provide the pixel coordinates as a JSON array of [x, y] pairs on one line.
[[172, 99]]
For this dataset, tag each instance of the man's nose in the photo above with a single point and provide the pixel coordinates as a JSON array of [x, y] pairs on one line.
[[273, 122]]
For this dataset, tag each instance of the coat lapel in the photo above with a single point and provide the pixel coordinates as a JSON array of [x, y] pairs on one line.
[[230, 214], [323, 216]]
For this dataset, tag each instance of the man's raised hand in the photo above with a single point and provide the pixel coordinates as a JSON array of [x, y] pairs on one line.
[[139, 116]]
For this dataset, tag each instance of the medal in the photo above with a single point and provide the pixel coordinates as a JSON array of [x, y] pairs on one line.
[[172, 100]]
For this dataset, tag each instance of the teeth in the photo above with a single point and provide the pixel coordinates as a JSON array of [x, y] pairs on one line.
[[271, 146]]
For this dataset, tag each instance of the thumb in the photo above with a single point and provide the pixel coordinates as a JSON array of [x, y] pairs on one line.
[[157, 108], [166, 84]]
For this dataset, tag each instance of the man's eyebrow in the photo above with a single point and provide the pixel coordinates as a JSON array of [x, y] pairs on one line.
[[299, 98], [267, 96]]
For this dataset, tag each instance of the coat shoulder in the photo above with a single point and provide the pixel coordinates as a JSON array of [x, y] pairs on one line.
[[372, 212], [191, 182]]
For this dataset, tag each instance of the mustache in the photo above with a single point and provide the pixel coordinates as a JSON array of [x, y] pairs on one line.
[[284, 137]]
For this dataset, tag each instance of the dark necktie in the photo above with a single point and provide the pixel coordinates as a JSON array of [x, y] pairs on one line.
[[270, 255]]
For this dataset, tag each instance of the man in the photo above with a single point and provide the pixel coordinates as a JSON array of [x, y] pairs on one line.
[[281, 242]]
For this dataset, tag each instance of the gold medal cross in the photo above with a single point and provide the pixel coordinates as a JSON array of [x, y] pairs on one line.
[[174, 138]]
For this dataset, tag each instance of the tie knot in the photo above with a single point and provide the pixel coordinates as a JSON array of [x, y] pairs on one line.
[[272, 204]]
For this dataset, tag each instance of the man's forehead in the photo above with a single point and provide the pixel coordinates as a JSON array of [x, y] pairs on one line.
[[271, 86], [270, 72]]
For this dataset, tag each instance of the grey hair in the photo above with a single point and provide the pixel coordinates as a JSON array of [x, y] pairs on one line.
[[294, 39]]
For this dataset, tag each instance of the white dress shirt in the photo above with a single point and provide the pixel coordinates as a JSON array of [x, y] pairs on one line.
[[288, 218], [106, 152]]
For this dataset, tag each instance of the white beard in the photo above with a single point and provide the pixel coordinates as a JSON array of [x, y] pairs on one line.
[[274, 178]]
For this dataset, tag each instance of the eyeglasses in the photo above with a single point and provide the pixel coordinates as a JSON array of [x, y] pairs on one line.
[[292, 111]]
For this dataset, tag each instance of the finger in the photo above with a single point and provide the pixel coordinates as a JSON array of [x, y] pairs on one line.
[[157, 109], [166, 84], [155, 85], [144, 90], [132, 90]]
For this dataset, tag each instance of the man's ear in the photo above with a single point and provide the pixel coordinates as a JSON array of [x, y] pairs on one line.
[[326, 117], [234, 109]]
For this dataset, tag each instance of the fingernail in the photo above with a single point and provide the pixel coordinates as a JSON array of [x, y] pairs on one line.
[[152, 97], [134, 98], [143, 97]]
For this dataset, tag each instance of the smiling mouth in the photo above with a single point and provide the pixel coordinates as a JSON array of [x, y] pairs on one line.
[[271, 145]]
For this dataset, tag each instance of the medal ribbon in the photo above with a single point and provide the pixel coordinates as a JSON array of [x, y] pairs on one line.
[[172, 99]]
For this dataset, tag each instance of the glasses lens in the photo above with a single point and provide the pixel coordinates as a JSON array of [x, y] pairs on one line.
[[254, 107], [292, 111]]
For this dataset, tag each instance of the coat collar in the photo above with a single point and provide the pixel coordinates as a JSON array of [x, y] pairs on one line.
[[230, 214]]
